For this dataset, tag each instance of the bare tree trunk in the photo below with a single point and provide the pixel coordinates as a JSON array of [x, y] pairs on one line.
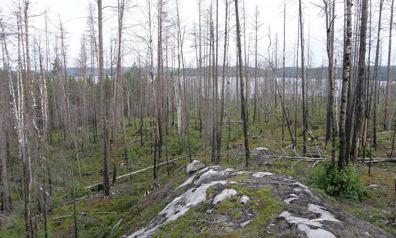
[[120, 81], [103, 108], [30, 122], [220, 129], [387, 119], [284, 71], [159, 136], [256, 26], [377, 75], [330, 18], [360, 83], [346, 76], [243, 101], [5, 193], [303, 86]]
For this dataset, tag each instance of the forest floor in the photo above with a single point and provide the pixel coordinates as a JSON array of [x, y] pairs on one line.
[[137, 199]]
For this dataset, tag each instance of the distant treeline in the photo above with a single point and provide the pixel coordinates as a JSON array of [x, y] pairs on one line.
[[290, 72]]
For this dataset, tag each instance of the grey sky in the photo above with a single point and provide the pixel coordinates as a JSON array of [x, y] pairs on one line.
[[74, 15]]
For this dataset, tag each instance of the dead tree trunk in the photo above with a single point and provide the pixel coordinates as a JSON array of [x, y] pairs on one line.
[[360, 83], [241, 81], [220, 129], [387, 119], [346, 76], [330, 18], [103, 108], [303, 86], [377, 75]]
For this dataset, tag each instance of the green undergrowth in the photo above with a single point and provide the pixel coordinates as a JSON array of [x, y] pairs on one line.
[[346, 183]]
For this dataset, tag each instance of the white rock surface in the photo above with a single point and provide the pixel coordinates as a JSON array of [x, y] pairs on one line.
[[244, 199], [194, 166], [178, 207], [313, 228], [191, 179], [261, 174], [226, 193], [324, 214], [209, 174]]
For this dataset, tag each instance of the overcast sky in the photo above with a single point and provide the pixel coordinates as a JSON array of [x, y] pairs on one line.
[[73, 14]]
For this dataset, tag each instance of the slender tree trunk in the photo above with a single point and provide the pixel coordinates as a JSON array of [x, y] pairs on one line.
[[387, 119], [158, 99], [360, 83], [303, 86], [220, 129], [377, 75], [346, 76], [330, 18], [5, 193], [30, 123], [243, 101], [256, 15], [103, 116], [284, 71]]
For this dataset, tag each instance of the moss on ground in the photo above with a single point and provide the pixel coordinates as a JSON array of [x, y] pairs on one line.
[[198, 222]]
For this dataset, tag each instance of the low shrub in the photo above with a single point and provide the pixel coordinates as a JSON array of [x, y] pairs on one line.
[[345, 183]]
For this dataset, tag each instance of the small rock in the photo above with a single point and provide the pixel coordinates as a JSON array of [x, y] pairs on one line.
[[244, 199], [226, 193], [194, 166], [260, 151]]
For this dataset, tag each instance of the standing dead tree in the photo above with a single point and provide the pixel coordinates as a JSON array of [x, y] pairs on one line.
[[346, 76], [329, 8], [4, 102], [377, 75], [241, 84], [387, 119], [225, 52], [303, 83], [103, 106], [360, 83]]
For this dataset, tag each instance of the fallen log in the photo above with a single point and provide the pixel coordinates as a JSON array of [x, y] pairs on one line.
[[135, 172], [379, 160]]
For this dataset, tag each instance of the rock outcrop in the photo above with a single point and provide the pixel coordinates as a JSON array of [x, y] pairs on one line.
[[194, 166], [299, 211]]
